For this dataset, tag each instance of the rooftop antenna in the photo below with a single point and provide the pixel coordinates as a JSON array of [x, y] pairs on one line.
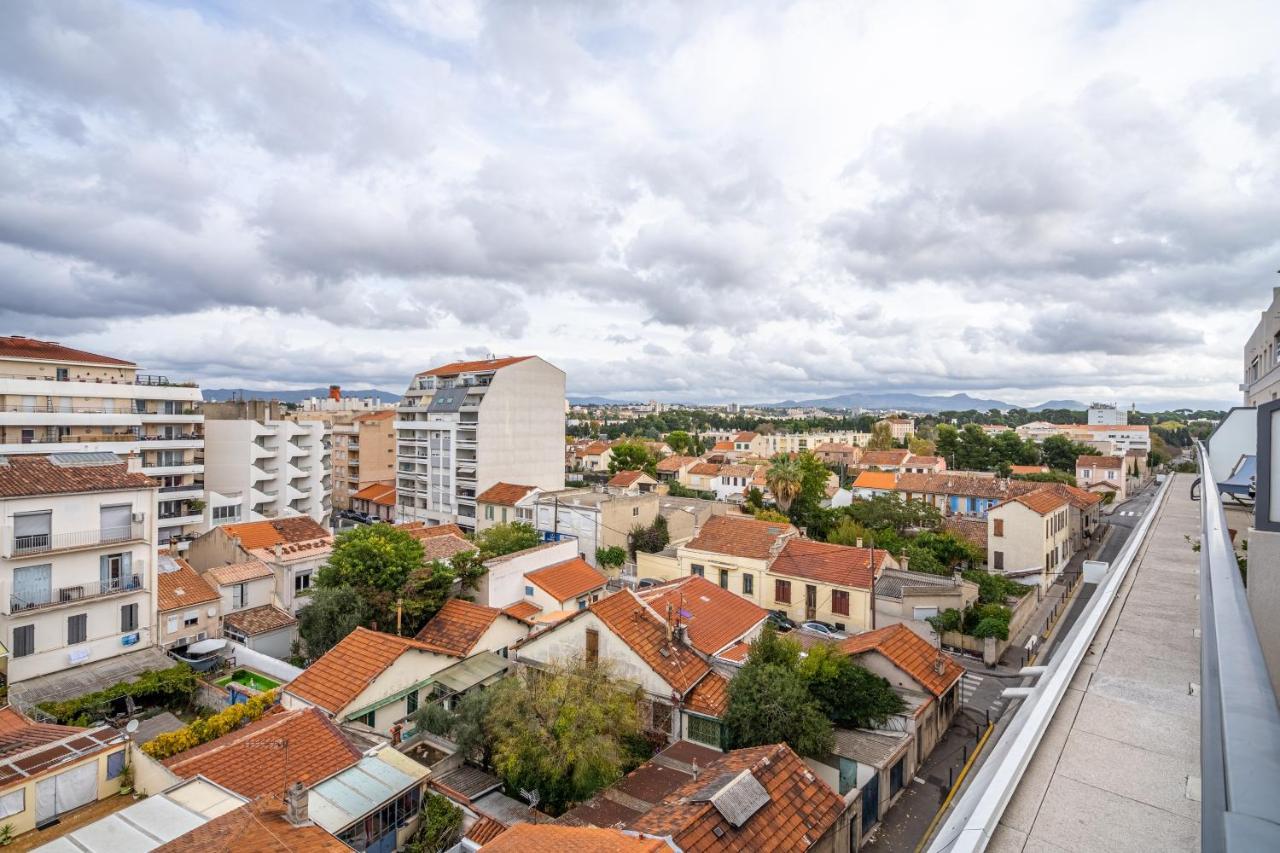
[[532, 797]]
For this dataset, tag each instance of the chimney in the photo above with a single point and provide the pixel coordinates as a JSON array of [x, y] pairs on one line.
[[277, 550], [133, 463], [905, 560], [859, 541], [335, 392], [696, 771], [295, 805]]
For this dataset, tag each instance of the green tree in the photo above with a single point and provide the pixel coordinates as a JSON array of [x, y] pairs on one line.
[[771, 515], [563, 732], [785, 479], [651, 539], [612, 557], [948, 549], [881, 437], [506, 539], [682, 443], [430, 586], [439, 826], [769, 702], [1060, 452], [333, 612], [850, 695], [754, 499], [633, 456], [975, 452], [371, 557], [921, 559], [888, 511], [1048, 477], [948, 442], [921, 446]]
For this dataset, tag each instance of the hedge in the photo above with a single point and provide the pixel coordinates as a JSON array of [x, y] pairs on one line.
[[202, 731], [154, 687]]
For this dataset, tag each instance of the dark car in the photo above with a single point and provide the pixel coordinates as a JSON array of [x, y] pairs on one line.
[[780, 622]]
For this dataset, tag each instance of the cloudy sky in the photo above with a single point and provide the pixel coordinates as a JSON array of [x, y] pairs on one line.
[[682, 201]]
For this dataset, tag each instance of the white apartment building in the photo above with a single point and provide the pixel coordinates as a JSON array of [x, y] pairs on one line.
[[276, 468], [791, 442], [465, 426], [1262, 357], [1112, 440], [77, 560], [1105, 414], [56, 399]]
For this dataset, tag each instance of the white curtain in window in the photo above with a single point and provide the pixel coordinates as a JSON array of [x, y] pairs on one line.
[[13, 803]]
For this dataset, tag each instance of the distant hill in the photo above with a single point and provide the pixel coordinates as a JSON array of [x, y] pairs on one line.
[[1074, 405], [896, 400], [221, 394], [596, 401]]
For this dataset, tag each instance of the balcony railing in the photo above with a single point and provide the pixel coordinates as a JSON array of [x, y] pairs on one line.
[[71, 594], [197, 485], [40, 543]]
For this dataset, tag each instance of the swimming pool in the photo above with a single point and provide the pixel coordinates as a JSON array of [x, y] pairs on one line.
[[248, 678]]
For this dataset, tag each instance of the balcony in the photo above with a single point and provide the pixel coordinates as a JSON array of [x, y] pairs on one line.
[[48, 543], [74, 594]]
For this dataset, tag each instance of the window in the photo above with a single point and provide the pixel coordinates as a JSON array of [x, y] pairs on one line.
[[635, 510], [226, 513], [411, 702], [77, 628], [24, 641], [697, 569], [171, 624], [582, 604], [748, 584], [488, 513], [998, 560], [782, 591], [592, 645], [367, 719], [997, 526], [13, 803], [724, 578], [237, 596], [504, 515], [301, 582], [115, 764], [1111, 475], [191, 617], [31, 532], [1087, 473], [528, 591], [115, 521], [840, 602], [32, 585], [129, 618], [703, 730]]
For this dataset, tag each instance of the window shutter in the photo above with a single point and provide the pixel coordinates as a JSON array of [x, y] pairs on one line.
[[104, 572]]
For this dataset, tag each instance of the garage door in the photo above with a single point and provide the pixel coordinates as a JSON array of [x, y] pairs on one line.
[[66, 791]]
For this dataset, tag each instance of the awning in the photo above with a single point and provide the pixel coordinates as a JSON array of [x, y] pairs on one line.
[[477, 669], [204, 647]]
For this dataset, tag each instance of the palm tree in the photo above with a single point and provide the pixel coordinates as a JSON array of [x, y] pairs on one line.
[[784, 479]]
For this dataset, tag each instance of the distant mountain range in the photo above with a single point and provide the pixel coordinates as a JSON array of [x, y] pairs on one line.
[[220, 394], [916, 403]]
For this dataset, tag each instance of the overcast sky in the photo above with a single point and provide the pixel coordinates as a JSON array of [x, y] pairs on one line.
[[682, 201]]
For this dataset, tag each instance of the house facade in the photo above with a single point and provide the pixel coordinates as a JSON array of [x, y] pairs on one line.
[[188, 609], [961, 493], [734, 553], [503, 503], [596, 519], [1092, 471], [809, 580], [1029, 537]]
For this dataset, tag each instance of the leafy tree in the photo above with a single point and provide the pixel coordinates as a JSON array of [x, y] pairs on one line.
[[888, 511], [849, 532], [948, 549], [633, 456], [921, 446], [881, 437], [975, 451], [785, 479], [612, 557], [469, 720], [1060, 452], [948, 442], [849, 695], [430, 586], [995, 589], [754, 499], [771, 515], [921, 559], [563, 732], [371, 557], [506, 538], [651, 539], [682, 443], [435, 718], [769, 701], [1049, 477], [439, 826], [333, 613]]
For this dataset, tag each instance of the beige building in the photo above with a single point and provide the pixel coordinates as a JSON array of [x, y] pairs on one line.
[[809, 580], [900, 428], [58, 399], [1261, 381], [293, 549], [362, 452], [769, 444], [77, 560], [734, 552], [465, 426], [1029, 537], [597, 519], [504, 503], [188, 609]]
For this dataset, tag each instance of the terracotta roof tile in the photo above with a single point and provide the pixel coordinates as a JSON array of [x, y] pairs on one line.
[[183, 588], [739, 537], [1041, 501], [639, 627], [705, 469], [16, 346], [876, 480], [553, 838], [19, 734], [595, 448], [37, 475], [457, 627], [262, 822], [710, 696], [911, 653], [1028, 469], [343, 672], [884, 458], [485, 830], [972, 529], [239, 572], [1104, 462], [623, 479], [827, 563], [253, 762], [672, 464], [716, 617], [474, 366], [965, 485], [800, 810], [745, 436], [276, 531], [259, 620], [722, 447], [923, 461], [567, 580], [420, 531], [505, 494], [379, 493], [445, 547], [1077, 497], [522, 610]]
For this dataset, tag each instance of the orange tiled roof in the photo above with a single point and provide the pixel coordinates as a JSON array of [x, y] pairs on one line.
[[259, 620], [883, 458], [911, 653], [379, 493], [631, 621], [1041, 501], [737, 653], [457, 627], [710, 696], [261, 820], [966, 485], [474, 366], [17, 346], [341, 673], [445, 547], [716, 618], [485, 830], [973, 529], [422, 532], [1116, 462], [624, 479], [275, 531], [672, 464], [746, 435], [1077, 497], [824, 562], [19, 734], [923, 461], [239, 572], [739, 537], [801, 808], [21, 476], [382, 415], [522, 610], [706, 469], [554, 838], [183, 588], [876, 480], [722, 447], [1028, 469], [595, 448], [567, 580], [504, 493]]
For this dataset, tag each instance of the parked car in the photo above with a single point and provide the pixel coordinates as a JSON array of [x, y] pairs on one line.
[[780, 622], [829, 631]]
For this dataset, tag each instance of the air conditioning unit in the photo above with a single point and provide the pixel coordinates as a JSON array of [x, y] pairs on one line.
[[138, 517]]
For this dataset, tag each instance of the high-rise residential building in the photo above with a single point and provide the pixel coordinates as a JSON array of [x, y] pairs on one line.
[[1262, 357], [465, 426], [1105, 414], [276, 467], [77, 559], [363, 453], [57, 399]]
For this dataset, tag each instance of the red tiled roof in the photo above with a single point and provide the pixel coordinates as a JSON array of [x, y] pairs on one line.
[[923, 461], [824, 562], [636, 625], [716, 618], [746, 435], [737, 652], [474, 366], [457, 627], [1028, 469], [722, 447], [911, 653], [379, 493], [239, 572], [522, 610], [16, 346], [710, 696], [876, 480], [554, 838], [253, 761], [1077, 497], [420, 531], [485, 830], [276, 531], [709, 469], [567, 580], [21, 476], [623, 479], [739, 537], [262, 821], [595, 448], [504, 493], [183, 588], [1041, 501], [801, 808], [672, 464], [965, 485], [343, 672], [445, 547], [972, 529], [19, 734], [884, 458], [259, 620], [1116, 462]]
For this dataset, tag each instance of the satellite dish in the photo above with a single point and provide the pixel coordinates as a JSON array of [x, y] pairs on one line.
[[131, 726]]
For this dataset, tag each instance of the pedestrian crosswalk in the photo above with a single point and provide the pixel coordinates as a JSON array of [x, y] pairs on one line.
[[1130, 512], [982, 693]]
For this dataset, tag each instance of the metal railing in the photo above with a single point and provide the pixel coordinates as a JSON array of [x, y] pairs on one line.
[[40, 543], [81, 592], [1239, 720]]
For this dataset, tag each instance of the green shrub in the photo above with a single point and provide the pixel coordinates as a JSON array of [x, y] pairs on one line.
[[204, 730], [168, 687]]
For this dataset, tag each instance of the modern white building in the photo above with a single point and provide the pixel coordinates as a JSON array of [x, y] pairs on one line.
[[275, 468], [1105, 414], [77, 560], [1262, 357], [55, 399], [465, 426]]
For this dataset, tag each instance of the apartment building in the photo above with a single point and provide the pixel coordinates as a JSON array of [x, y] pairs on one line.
[[1112, 439], [597, 519], [362, 452], [55, 399], [275, 467], [465, 426], [1262, 357], [1106, 414], [763, 444], [77, 560], [899, 428]]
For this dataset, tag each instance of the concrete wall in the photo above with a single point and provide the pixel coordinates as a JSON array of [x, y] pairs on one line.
[[207, 623], [520, 436], [149, 776], [657, 566], [503, 584], [1263, 594]]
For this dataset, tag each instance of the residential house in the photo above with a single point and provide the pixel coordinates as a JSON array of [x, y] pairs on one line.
[[871, 484], [900, 428], [370, 678], [868, 769], [266, 629], [923, 465], [362, 453], [970, 528], [597, 519], [77, 560], [906, 596], [1114, 439], [884, 460], [188, 609], [733, 481], [571, 585], [1103, 471], [961, 492], [810, 580], [596, 456], [675, 468], [464, 426], [1029, 537], [713, 618], [748, 443], [293, 548], [461, 629], [799, 442], [376, 500], [503, 582], [631, 483], [503, 503], [734, 552], [530, 837], [702, 477], [838, 453], [1086, 513]]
